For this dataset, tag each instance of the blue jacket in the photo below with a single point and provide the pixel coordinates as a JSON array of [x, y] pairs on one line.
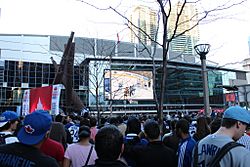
[[184, 152]]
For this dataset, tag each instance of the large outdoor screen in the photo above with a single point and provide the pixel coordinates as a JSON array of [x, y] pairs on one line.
[[128, 85]]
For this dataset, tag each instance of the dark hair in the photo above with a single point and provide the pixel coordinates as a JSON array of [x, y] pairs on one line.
[[202, 128], [172, 124], [228, 122], [133, 125], [113, 120], [119, 119], [85, 121], [108, 143], [248, 127], [84, 132], [92, 121], [8, 124], [71, 116], [59, 118], [152, 129], [215, 125], [183, 124], [188, 118]]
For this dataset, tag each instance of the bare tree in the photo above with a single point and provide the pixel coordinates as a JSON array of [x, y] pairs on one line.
[[169, 9], [100, 61]]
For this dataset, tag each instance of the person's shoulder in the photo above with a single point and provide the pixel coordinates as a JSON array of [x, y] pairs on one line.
[[167, 135], [11, 145], [54, 142], [240, 149], [48, 161], [193, 140], [168, 149], [239, 154], [57, 125], [72, 145], [207, 139]]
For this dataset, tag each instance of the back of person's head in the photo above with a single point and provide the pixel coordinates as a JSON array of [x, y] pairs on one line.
[[103, 120], [84, 132], [86, 115], [173, 124], [92, 121], [215, 125], [152, 129], [108, 143], [119, 119], [85, 121], [125, 117], [182, 125], [71, 117], [188, 118], [234, 114], [56, 131], [133, 125], [248, 128], [7, 118], [113, 120], [59, 118], [203, 128], [202, 124]]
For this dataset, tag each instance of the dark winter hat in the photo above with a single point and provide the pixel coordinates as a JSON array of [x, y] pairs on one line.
[[84, 132]]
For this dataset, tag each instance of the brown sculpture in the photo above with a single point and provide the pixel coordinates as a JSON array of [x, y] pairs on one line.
[[64, 75]]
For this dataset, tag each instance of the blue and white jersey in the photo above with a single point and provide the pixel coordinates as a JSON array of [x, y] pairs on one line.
[[73, 130], [245, 140], [185, 151]]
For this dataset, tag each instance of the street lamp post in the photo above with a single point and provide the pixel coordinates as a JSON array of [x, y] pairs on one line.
[[202, 50]]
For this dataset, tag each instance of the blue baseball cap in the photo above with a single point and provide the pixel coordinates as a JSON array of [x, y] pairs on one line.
[[238, 113], [34, 128], [7, 116]]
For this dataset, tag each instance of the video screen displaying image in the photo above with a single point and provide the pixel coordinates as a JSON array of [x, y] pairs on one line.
[[128, 85]]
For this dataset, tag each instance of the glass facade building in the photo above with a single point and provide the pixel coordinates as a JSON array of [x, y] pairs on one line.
[[28, 67]]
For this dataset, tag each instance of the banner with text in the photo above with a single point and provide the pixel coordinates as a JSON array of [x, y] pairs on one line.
[[42, 98]]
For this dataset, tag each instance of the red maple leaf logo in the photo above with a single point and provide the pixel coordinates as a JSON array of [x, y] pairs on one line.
[[29, 129]]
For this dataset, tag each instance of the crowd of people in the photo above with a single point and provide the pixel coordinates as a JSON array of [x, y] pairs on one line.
[[40, 139]]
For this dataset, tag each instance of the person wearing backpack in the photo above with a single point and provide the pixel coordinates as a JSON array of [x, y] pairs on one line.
[[8, 125], [220, 148]]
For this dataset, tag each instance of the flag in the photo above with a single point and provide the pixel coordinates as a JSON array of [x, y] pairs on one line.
[[42, 98]]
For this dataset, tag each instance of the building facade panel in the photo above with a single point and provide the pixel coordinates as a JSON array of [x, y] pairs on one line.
[[85, 46], [184, 82], [125, 49]]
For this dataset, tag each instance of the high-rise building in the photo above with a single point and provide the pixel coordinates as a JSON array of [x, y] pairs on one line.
[[183, 44], [143, 18]]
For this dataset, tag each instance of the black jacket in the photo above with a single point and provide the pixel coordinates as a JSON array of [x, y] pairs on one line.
[[18, 154], [151, 155]]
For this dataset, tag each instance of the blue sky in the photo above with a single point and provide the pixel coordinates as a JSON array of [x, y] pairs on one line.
[[228, 37]]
